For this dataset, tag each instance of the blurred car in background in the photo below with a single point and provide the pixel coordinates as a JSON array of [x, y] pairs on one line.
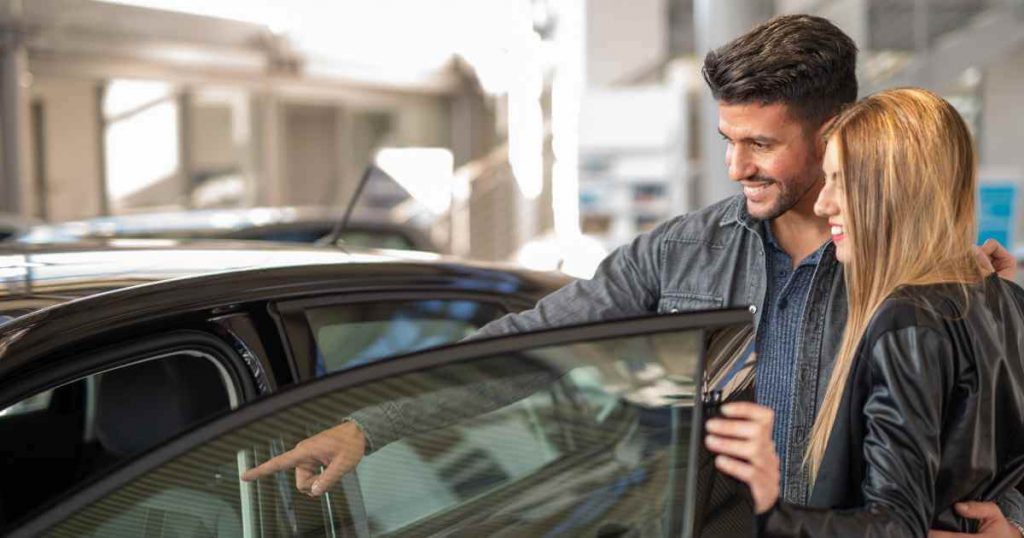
[[13, 225], [283, 224], [110, 348]]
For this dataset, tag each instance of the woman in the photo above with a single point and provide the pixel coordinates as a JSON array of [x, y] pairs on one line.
[[925, 404]]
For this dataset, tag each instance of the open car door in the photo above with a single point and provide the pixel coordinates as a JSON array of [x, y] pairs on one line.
[[592, 430]]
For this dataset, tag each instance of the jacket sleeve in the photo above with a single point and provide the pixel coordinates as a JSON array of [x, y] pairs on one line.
[[626, 284], [1011, 504], [397, 418], [910, 373]]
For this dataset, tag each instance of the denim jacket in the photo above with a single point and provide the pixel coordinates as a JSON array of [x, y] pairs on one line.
[[707, 259]]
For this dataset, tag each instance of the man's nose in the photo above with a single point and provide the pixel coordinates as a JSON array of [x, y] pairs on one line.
[[739, 163]]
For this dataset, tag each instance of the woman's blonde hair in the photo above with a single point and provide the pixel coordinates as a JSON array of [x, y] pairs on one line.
[[907, 167]]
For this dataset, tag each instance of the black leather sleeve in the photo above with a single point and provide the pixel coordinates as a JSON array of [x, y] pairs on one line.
[[911, 372]]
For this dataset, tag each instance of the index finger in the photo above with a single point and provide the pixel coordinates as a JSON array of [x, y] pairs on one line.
[[984, 259], [284, 462], [945, 534], [991, 246], [995, 250], [748, 410]]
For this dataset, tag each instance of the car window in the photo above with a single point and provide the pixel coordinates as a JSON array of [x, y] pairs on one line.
[[586, 439], [283, 234], [353, 334], [32, 404], [58, 438], [377, 239]]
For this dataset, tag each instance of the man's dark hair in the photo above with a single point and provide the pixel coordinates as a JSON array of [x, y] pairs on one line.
[[802, 61]]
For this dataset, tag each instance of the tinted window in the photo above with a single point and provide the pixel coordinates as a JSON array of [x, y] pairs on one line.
[[588, 439], [61, 437], [353, 334], [288, 236], [378, 239]]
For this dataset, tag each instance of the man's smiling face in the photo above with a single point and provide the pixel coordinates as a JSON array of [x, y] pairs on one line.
[[772, 155]]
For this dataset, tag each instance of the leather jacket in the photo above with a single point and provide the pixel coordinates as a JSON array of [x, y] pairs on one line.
[[933, 414]]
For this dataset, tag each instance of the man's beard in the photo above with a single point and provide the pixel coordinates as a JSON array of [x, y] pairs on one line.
[[788, 197]]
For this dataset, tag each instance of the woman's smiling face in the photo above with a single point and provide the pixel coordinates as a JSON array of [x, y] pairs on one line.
[[831, 202]]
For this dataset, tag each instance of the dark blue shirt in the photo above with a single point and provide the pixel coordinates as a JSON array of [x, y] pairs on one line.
[[779, 335]]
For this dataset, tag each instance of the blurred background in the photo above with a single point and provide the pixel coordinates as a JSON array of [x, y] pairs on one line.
[[542, 132]]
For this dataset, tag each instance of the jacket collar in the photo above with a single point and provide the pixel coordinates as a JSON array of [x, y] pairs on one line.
[[736, 213]]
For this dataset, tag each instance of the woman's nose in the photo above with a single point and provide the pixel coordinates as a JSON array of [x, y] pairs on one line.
[[825, 205]]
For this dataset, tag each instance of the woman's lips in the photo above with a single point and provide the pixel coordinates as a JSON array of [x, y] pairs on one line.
[[837, 233]]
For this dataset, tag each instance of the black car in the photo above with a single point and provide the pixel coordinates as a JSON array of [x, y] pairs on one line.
[[599, 435], [108, 349]]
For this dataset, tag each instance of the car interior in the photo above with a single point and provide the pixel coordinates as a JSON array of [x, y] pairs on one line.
[[350, 335], [60, 438]]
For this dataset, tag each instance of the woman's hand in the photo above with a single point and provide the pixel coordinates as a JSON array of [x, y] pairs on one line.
[[743, 441]]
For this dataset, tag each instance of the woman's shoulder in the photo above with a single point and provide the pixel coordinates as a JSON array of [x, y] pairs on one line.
[[938, 306], [926, 308]]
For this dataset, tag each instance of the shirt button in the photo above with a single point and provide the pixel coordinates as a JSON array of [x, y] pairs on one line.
[[752, 309]]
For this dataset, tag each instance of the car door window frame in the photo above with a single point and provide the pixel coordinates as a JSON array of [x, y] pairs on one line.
[[60, 371], [682, 485], [299, 342]]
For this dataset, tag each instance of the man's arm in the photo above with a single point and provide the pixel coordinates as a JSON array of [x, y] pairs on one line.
[[627, 283]]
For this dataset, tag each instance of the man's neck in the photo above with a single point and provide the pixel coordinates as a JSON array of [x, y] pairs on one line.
[[799, 233]]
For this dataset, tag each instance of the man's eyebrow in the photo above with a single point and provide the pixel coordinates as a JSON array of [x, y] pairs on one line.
[[764, 140]]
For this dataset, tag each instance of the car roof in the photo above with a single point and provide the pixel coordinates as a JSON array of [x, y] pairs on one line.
[[66, 271], [37, 276], [197, 221], [48, 290]]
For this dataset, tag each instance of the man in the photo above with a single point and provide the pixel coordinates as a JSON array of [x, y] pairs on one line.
[[777, 87]]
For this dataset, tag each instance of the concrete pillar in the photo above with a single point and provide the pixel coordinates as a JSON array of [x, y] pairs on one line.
[[718, 22], [14, 125], [266, 139], [67, 148]]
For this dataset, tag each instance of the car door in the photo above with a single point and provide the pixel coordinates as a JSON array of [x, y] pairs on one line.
[[591, 430]]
